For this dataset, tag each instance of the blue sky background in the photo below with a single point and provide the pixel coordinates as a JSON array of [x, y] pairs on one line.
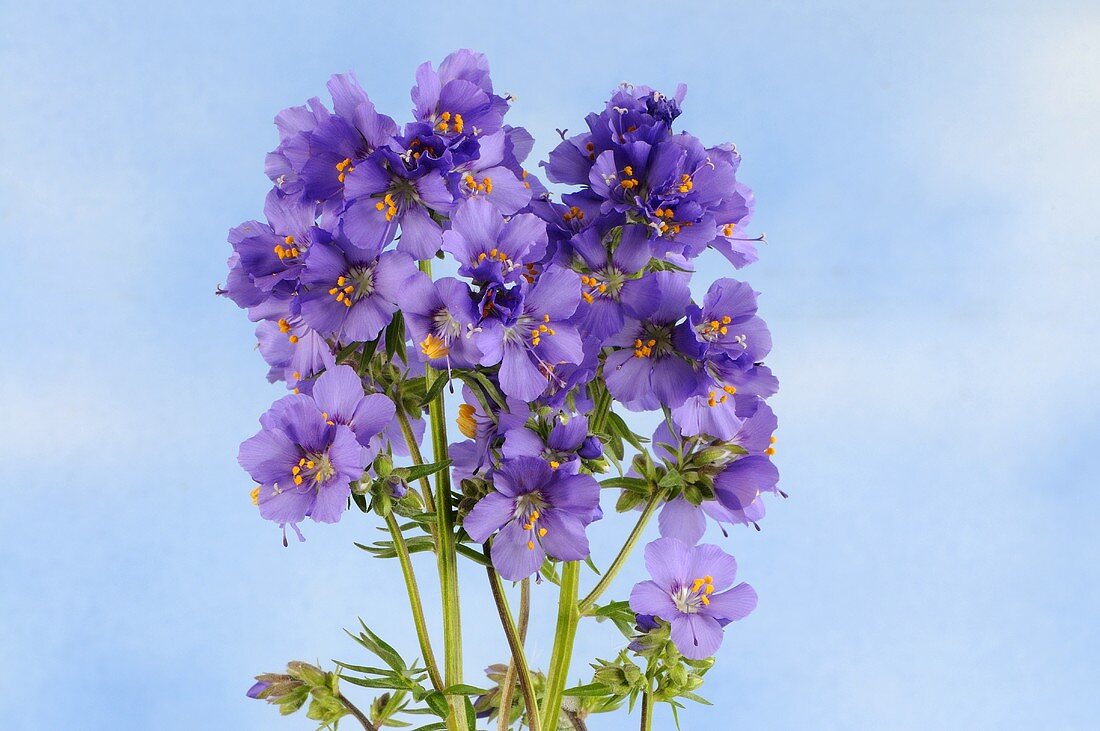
[[927, 176]]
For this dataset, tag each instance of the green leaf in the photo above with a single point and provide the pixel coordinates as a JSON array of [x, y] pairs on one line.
[[395, 337], [671, 479], [441, 380], [438, 703], [480, 382], [384, 651], [591, 690], [437, 726], [619, 427], [697, 698], [365, 669], [463, 689], [368, 353], [417, 471], [632, 484]]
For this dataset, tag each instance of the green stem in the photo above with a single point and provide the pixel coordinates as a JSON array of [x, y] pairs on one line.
[[508, 685], [417, 458], [445, 545], [564, 634], [356, 713], [647, 708], [519, 659], [624, 554], [414, 601]]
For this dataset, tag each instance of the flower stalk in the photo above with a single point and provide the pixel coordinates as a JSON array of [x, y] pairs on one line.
[[415, 603], [564, 634], [519, 658]]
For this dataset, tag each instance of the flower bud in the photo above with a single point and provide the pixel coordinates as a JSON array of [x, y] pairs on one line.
[[591, 448]]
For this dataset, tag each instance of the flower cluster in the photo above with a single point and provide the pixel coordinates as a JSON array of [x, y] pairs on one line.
[[554, 310]]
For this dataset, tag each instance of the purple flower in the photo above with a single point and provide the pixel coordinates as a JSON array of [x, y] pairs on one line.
[[535, 511], [441, 317], [737, 488], [690, 590], [487, 177], [559, 448], [338, 144], [527, 330], [614, 290], [457, 99], [488, 249], [294, 350], [389, 194], [352, 292], [727, 323], [651, 366], [303, 462], [271, 254], [338, 392]]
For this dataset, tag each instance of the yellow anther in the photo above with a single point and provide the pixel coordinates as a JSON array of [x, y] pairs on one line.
[[543, 328], [297, 479], [530, 545], [289, 240], [546, 318], [542, 532], [714, 324], [726, 320], [723, 330], [334, 290], [685, 183], [293, 338], [255, 495], [629, 171], [534, 515], [705, 600], [771, 440], [527, 526], [637, 343], [554, 464], [284, 326], [466, 423], [297, 375], [587, 297], [295, 469], [728, 230], [434, 347], [730, 389], [769, 451], [343, 168]]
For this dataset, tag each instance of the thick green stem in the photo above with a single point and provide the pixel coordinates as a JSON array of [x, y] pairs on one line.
[[564, 634], [414, 601], [519, 658], [445, 546], [624, 554], [509, 682]]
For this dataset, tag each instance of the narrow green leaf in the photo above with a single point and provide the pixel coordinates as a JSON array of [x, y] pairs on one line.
[[463, 689], [591, 690], [415, 472]]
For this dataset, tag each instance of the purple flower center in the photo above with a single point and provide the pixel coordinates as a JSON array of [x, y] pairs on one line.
[[527, 512], [604, 283], [353, 286], [690, 598], [315, 467]]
